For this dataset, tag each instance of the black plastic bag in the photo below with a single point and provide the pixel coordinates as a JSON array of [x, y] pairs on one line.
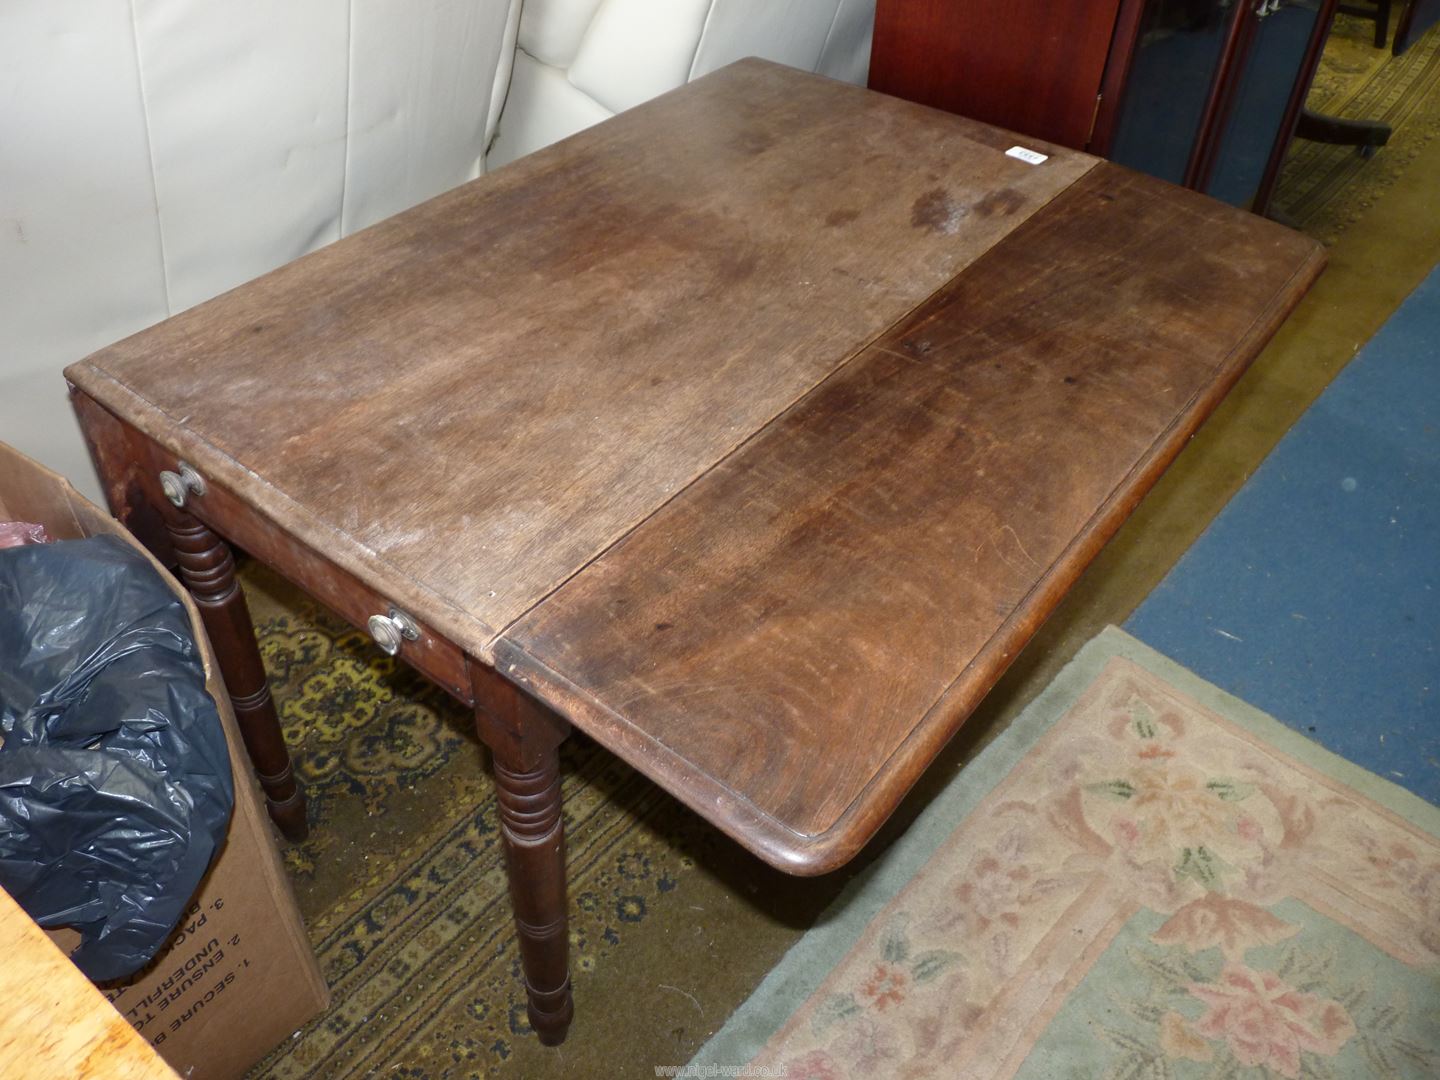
[[115, 785]]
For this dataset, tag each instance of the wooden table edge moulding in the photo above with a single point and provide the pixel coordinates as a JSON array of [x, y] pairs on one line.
[[776, 415]]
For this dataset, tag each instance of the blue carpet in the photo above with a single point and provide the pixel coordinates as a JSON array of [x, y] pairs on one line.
[[1315, 594]]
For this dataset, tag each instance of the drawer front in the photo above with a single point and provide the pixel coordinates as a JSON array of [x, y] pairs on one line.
[[432, 655]]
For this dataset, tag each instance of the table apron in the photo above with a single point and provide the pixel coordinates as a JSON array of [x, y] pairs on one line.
[[431, 654]]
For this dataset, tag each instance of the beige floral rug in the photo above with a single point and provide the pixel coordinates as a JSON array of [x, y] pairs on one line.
[[1143, 877]]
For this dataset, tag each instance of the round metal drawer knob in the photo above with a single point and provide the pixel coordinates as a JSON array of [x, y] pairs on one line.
[[392, 630], [180, 486]]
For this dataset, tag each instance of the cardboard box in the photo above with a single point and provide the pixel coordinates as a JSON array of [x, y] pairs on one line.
[[238, 976]]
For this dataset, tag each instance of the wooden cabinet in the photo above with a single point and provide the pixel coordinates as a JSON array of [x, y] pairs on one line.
[[1204, 93]]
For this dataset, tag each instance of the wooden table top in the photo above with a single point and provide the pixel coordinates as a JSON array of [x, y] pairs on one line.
[[754, 430], [55, 1024]]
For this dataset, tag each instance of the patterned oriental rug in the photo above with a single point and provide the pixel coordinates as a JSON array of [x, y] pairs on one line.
[[1148, 879], [1326, 189]]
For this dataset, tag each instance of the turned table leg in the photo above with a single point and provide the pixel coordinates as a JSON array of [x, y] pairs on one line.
[[208, 570], [535, 857], [524, 738], [127, 474]]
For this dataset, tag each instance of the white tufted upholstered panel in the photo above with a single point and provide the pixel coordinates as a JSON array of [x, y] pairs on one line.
[[580, 61], [156, 152]]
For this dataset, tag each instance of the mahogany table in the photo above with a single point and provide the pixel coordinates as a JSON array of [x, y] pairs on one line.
[[752, 432]]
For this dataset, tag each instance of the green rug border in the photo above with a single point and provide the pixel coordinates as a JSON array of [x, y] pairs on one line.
[[802, 969]]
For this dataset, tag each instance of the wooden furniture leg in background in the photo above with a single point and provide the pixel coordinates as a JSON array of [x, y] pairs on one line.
[[1377, 12], [1366, 135], [208, 570], [524, 738]]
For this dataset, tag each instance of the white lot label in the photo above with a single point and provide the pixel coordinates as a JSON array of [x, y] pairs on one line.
[[1032, 156]]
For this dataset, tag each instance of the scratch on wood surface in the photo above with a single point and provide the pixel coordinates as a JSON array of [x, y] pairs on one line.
[[693, 1001], [1016, 536]]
